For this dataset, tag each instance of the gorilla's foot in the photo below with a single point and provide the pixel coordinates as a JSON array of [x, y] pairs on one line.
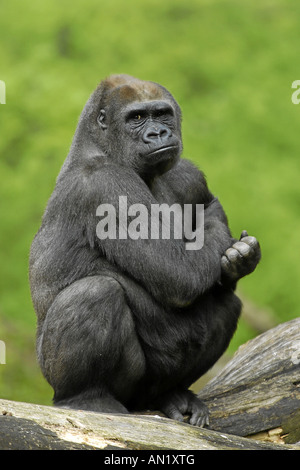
[[178, 403], [92, 401]]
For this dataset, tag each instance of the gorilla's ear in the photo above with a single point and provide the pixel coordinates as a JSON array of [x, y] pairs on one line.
[[101, 119]]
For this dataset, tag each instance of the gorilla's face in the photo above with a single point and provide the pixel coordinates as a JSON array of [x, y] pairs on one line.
[[143, 133], [152, 136]]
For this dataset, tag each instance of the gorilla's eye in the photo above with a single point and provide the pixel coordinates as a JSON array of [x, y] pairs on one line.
[[165, 112], [136, 115]]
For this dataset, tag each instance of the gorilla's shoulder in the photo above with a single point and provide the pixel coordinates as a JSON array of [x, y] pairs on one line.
[[185, 175], [186, 170]]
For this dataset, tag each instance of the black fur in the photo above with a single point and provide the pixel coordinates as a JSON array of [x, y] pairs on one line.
[[131, 324]]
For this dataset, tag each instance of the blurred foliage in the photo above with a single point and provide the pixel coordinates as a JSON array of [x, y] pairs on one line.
[[230, 65]]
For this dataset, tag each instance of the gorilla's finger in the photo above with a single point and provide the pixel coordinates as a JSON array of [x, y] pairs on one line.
[[243, 248], [244, 234], [175, 414], [226, 266], [201, 422], [251, 241], [232, 254]]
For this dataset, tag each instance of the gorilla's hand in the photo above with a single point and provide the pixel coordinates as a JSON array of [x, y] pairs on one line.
[[179, 403], [241, 259]]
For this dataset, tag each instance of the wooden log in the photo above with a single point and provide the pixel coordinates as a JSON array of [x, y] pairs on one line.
[[29, 426], [259, 389]]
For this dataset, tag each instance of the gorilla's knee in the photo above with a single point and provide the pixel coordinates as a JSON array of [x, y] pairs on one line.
[[87, 321]]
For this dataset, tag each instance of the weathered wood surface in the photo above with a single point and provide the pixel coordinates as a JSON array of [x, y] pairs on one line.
[[259, 389], [40, 427], [257, 393]]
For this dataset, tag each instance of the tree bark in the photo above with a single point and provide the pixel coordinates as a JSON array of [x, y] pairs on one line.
[[259, 389]]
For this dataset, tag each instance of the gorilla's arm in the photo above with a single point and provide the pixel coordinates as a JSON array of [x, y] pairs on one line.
[[190, 186], [171, 273]]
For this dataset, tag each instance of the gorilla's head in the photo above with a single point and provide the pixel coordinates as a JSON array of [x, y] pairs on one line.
[[133, 122]]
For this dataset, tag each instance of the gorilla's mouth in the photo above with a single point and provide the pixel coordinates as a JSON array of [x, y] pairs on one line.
[[162, 150]]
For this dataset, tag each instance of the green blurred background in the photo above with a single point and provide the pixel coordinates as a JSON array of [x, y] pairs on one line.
[[230, 64]]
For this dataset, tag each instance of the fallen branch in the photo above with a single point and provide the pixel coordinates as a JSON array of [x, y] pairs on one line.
[[28, 426], [259, 389]]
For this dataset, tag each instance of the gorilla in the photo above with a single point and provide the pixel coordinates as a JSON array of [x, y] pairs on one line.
[[129, 324]]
